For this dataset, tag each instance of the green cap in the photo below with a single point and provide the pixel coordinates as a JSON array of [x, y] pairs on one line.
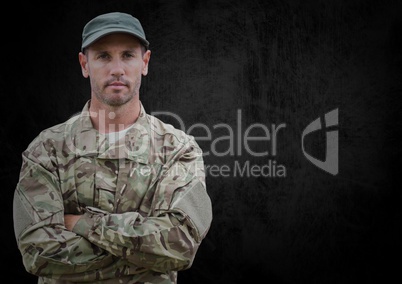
[[109, 23]]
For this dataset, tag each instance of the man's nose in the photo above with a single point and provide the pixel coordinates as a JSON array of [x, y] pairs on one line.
[[117, 68]]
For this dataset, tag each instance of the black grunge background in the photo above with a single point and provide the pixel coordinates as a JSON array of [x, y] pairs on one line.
[[275, 62]]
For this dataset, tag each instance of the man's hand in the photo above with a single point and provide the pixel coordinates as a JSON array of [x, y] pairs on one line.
[[70, 221]]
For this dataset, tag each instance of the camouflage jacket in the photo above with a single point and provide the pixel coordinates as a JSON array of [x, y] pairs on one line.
[[143, 201]]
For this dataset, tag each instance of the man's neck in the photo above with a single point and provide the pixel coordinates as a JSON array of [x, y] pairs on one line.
[[108, 119]]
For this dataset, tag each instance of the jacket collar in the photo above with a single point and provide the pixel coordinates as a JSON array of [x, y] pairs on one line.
[[89, 142]]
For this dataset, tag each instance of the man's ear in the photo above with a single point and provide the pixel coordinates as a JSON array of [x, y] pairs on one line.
[[84, 64], [145, 62]]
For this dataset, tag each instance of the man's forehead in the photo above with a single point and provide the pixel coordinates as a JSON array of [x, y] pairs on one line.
[[116, 39]]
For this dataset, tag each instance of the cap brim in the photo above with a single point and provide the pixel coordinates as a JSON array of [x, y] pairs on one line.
[[96, 36]]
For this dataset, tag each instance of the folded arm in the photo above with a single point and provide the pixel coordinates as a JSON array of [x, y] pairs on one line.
[[102, 241]]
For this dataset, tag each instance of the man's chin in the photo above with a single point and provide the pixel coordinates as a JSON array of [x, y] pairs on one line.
[[116, 101]]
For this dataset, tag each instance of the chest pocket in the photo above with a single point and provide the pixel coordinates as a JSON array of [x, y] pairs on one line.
[[95, 183], [134, 187], [115, 185]]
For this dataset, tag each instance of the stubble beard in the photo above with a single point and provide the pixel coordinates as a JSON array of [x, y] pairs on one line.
[[117, 99]]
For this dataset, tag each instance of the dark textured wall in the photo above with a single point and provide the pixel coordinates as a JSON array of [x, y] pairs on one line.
[[275, 62]]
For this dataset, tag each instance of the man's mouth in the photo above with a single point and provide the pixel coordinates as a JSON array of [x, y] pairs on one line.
[[117, 84]]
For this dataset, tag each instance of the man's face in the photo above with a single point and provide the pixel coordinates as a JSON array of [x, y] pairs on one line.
[[115, 65]]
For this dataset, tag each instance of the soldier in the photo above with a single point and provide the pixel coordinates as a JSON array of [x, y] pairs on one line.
[[112, 195]]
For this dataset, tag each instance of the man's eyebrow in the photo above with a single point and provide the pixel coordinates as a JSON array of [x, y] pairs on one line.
[[97, 51], [131, 50]]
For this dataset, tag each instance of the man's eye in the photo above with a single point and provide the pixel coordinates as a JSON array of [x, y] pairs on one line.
[[128, 55], [103, 56]]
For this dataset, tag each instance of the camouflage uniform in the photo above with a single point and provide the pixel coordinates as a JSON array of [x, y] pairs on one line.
[[143, 200]]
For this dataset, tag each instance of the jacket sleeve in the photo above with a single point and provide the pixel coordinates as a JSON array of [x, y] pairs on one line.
[[169, 238], [47, 248]]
